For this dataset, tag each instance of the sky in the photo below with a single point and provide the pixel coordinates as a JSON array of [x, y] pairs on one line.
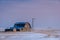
[[46, 13]]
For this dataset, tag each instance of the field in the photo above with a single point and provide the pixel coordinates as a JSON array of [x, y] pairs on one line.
[[51, 32], [33, 35]]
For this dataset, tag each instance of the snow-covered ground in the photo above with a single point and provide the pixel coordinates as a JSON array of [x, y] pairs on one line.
[[25, 36], [2, 29]]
